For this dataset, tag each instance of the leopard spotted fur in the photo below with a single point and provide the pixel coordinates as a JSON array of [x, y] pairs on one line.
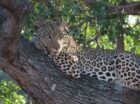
[[111, 66]]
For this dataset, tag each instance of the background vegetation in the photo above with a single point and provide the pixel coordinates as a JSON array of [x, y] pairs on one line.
[[92, 26]]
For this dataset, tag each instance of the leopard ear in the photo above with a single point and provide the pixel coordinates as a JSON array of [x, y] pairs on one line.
[[37, 25]]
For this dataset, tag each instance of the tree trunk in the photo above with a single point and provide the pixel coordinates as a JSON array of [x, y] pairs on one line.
[[39, 76], [120, 42]]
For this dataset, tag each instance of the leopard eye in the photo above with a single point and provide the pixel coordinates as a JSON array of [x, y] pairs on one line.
[[49, 37]]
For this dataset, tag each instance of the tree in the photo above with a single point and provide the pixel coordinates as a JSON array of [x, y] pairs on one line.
[[39, 76]]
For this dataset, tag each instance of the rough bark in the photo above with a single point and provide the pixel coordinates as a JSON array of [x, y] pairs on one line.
[[39, 76]]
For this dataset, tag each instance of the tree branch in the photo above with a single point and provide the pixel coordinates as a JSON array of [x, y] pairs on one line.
[[39, 76], [125, 9], [129, 9]]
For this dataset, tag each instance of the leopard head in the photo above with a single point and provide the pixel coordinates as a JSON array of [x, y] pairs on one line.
[[50, 37]]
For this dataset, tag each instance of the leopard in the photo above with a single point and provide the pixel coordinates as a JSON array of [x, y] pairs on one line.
[[112, 66]]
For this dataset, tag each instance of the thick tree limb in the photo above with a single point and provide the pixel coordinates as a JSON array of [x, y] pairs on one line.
[[16, 7], [130, 9], [125, 9], [39, 76]]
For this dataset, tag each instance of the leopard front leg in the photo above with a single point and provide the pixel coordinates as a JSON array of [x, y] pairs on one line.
[[68, 63], [74, 71], [71, 69]]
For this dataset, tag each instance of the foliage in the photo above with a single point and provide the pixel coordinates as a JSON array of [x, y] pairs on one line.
[[86, 23], [9, 93]]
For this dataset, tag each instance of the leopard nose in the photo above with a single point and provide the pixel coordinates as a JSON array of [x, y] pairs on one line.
[[56, 46]]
